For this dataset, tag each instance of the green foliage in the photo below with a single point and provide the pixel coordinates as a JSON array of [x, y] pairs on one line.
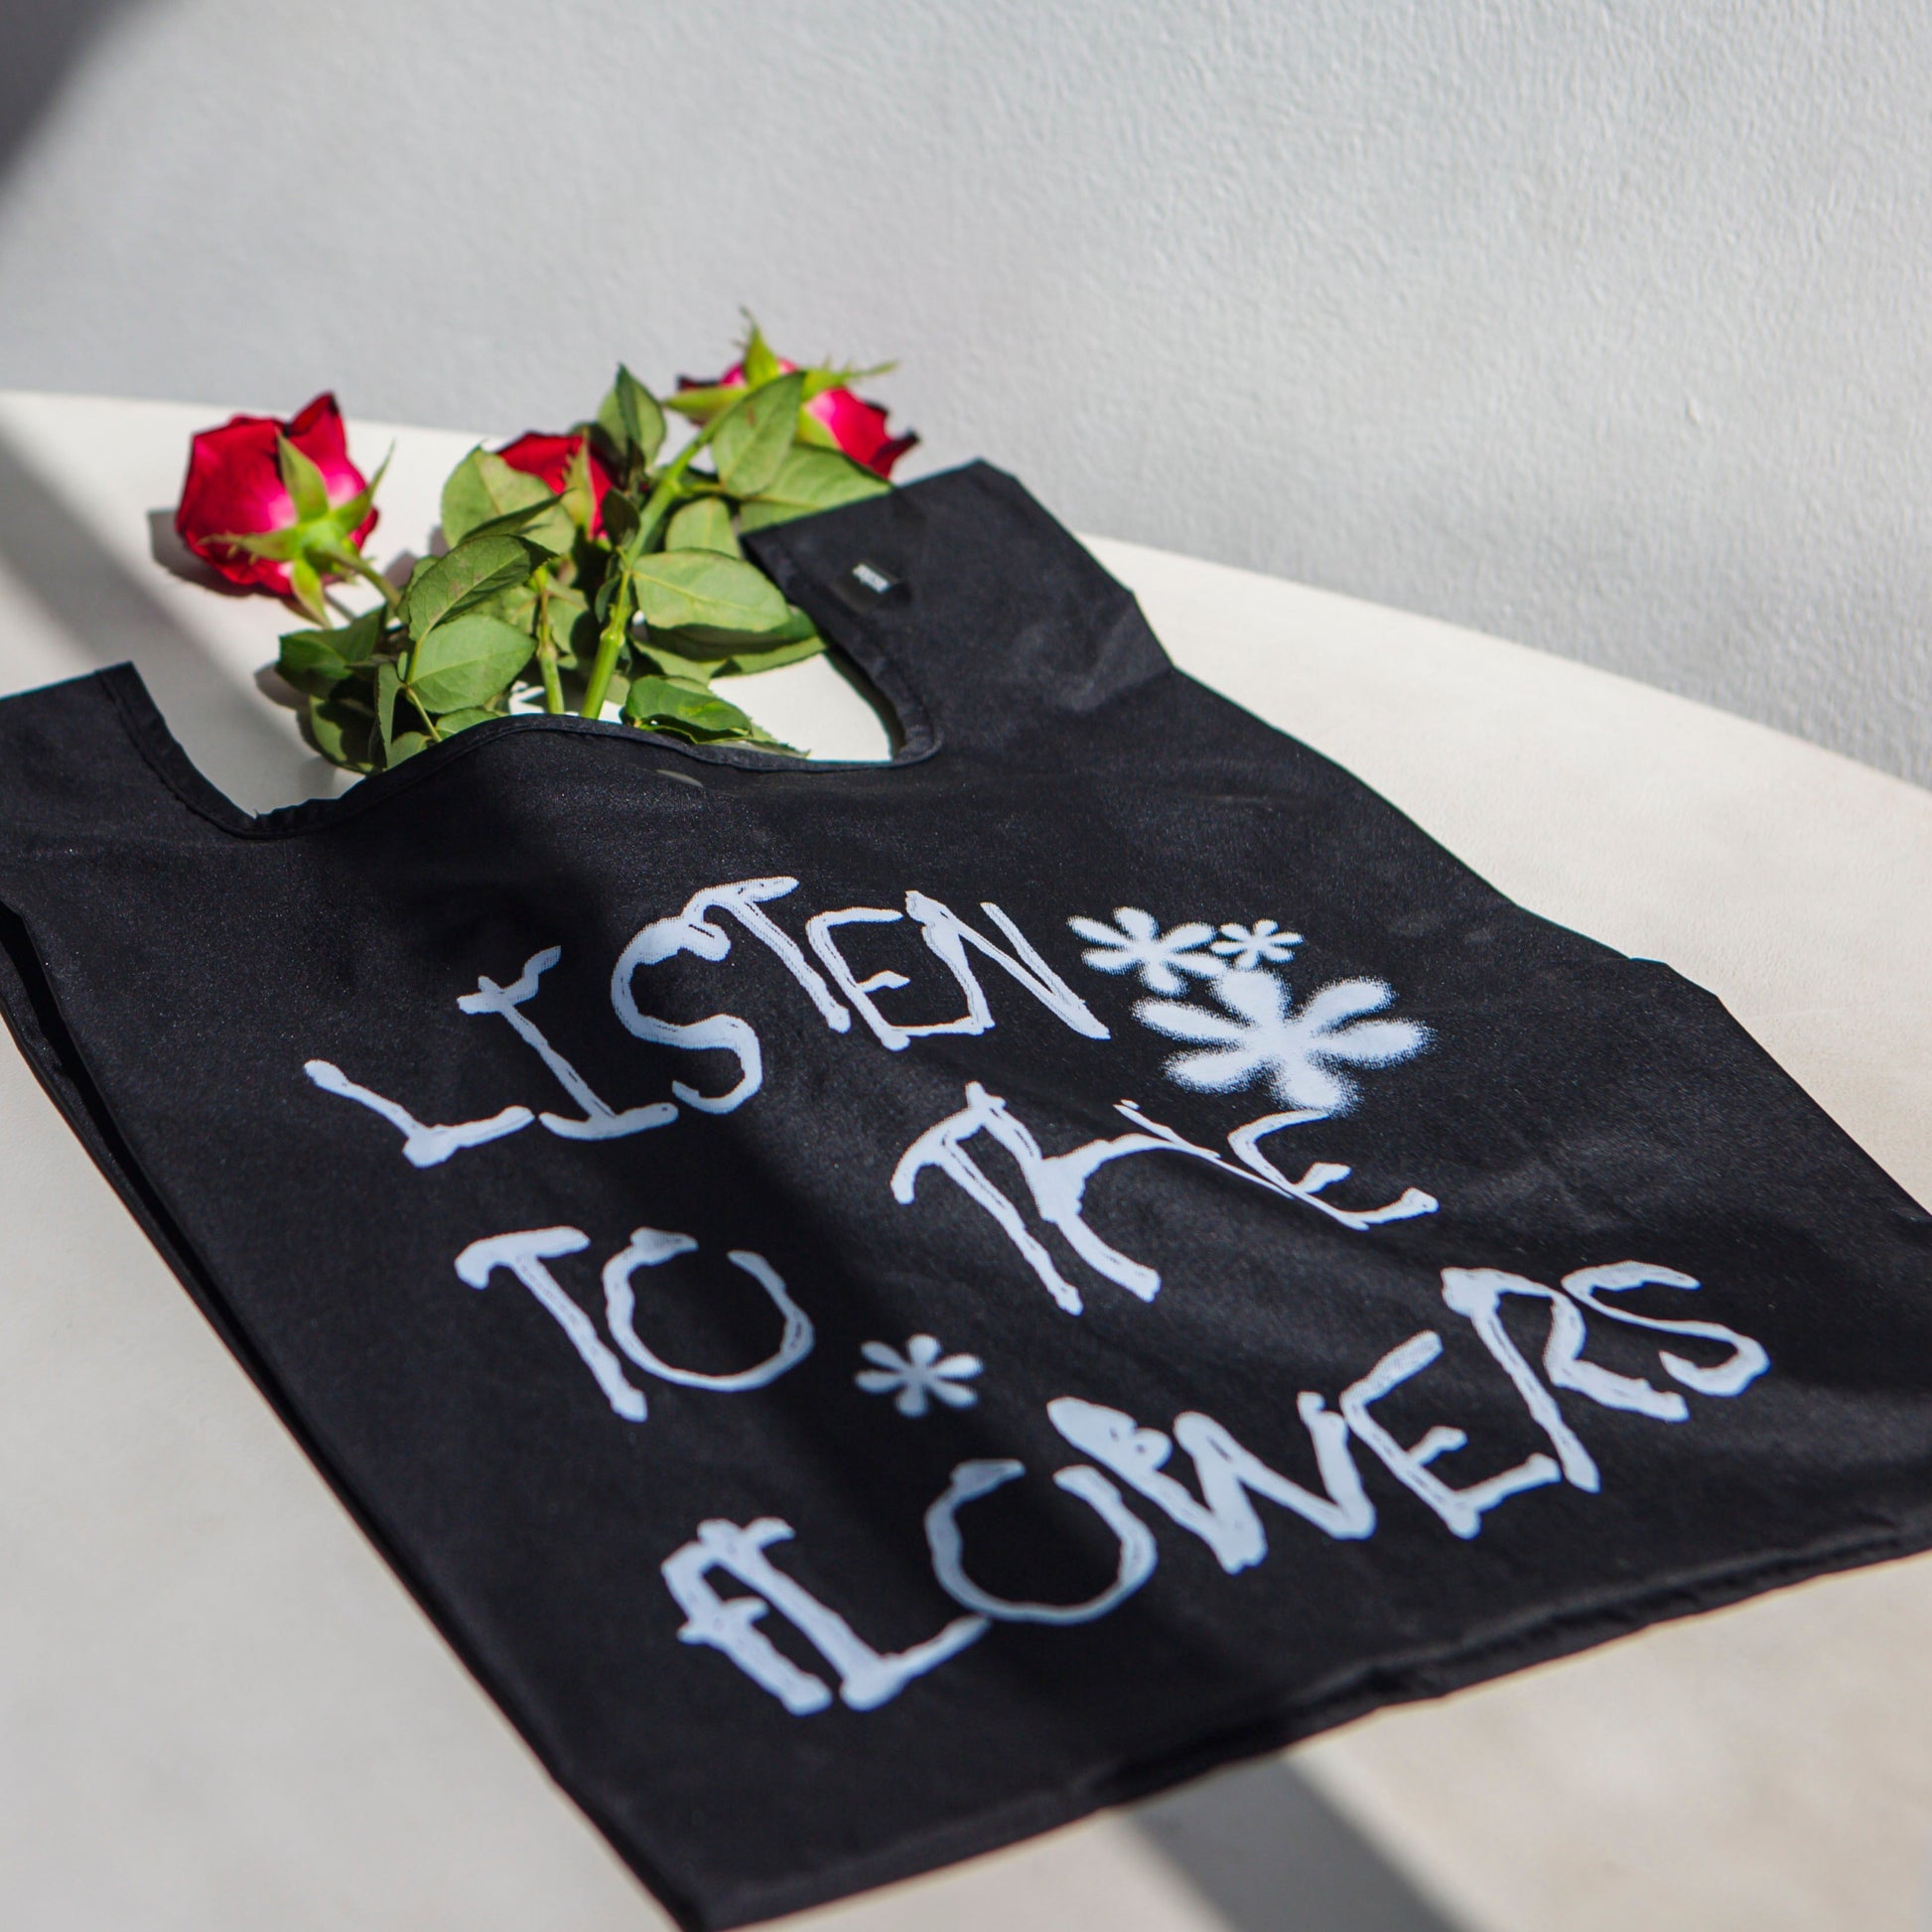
[[467, 661], [303, 481], [316, 661], [759, 363], [388, 687], [632, 420], [704, 400], [645, 605], [573, 630], [476, 569], [452, 722], [714, 654], [692, 711], [485, 496], [343, 730], [703, 525], [623, 522], [742, 664], [707, 596], [808, 481], [750, 440]]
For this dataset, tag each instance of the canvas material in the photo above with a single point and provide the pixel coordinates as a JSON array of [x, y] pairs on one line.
[[880, 1308]]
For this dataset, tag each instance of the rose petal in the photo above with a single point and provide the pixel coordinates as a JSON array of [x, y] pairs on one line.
[[548, 459], [858, 427]]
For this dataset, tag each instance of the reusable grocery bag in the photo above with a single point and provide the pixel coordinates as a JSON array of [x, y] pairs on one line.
[[880, 1308]]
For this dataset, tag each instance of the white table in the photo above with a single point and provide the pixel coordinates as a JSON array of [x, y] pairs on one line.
[[218, 1710]]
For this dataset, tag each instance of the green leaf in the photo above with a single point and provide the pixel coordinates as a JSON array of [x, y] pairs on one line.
[[630, 417], [716, 645], [707, 595], [686, 710], [475, 568], [347, 515], [360, 639], [548, 528], [670, 663], [814, 433], [622, 520], [743, 663], [342, 731], [405, 744], [448, 723], [572, 627], [484, 497], [302, 480], [305, 585], [467, 660], [703, 525], [515, 603], [316, 661], [579, 496], [820, 377], [759, 364], [752, 436], [809, 480], [704, 401], [388, 684], [280, 545]]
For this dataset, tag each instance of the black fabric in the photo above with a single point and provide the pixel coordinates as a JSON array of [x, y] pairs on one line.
[[1409, 1190]]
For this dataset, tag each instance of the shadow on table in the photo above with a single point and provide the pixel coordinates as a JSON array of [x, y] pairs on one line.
[[109, 616], [1267, 1853]]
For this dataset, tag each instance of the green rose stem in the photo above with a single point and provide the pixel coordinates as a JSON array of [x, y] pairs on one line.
[[553, 690], [352, 559], [609, 642], [611, 639]]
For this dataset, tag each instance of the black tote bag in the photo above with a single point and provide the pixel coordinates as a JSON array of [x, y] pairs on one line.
[[882, 1308]]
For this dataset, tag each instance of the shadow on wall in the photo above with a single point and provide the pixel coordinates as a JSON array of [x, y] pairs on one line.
[[40, 41], [1267, 1853]]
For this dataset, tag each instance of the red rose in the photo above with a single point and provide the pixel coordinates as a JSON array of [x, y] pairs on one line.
[[236, 489], [852, 425], [548, 459], [858, 427]]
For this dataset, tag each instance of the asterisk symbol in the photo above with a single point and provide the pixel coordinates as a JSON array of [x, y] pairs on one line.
[[922, 1372], [1263, 944], [1135, 942], [1299, 1054]]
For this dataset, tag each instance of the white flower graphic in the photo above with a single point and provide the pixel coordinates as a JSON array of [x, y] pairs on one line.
[[1135, 942], [1261, 944], [920, 1373], [1298, 1053]]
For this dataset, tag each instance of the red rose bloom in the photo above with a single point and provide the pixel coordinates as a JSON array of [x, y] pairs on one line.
[[857, 427], [234, 488], [548, 459]]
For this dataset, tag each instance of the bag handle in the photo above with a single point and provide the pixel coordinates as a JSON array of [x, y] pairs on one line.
[[979, 617]]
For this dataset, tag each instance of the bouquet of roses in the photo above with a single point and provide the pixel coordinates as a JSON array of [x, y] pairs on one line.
[[577, 569]]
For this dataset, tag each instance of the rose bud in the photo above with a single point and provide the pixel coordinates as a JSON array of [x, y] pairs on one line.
[[832, 418], [276, 505], [552, 460]]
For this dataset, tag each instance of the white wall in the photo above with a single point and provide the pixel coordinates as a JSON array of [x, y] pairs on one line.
[[1601, 324]]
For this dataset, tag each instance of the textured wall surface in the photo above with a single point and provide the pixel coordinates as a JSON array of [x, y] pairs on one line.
[[1599, 326]]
